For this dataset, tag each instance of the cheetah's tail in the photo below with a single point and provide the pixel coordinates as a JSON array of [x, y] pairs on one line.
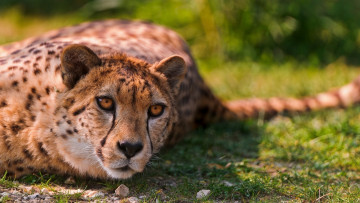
[[251, 108]]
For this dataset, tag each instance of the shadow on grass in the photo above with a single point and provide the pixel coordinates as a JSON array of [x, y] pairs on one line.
[[209, 158]]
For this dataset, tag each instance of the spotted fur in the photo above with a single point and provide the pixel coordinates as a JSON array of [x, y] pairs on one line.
[[50, 88]]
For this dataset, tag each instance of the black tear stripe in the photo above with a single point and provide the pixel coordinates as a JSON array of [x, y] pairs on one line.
[[103, 141], [148, 133]]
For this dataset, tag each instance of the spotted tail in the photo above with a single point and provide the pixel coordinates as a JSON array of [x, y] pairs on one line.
[[252, 108]]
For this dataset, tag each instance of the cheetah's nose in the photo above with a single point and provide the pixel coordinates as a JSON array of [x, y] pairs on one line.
[[129, 149]]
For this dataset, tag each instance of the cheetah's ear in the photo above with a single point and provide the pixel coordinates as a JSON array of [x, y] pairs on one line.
[[76, 61], [173, 68]]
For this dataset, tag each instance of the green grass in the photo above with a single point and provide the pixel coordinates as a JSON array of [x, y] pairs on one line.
[[66, 197], [6, 182], [307, 157]]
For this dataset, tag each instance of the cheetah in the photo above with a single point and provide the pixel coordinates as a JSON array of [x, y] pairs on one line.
[[100, 98]]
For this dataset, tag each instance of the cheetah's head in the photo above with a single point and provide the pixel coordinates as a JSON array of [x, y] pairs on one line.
[[116, 111]]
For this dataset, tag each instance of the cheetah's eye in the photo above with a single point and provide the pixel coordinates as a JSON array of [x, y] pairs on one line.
[[105, 103], [156, 110]]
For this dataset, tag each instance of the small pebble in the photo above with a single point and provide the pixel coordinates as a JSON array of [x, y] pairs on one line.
[[94, 194], [72, 191], [122, 191], [70, 181], [114, 199], [4, 194], [142, 197], [15, 192], [202, 194], [227, 183], [44, 191], [34, 196], [133, 200], [28, 189]]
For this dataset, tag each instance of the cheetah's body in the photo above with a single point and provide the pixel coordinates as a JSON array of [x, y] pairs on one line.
[[30, 81], [49, 120]]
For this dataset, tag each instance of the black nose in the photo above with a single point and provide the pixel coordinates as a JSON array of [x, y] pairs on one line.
[[129, 149]]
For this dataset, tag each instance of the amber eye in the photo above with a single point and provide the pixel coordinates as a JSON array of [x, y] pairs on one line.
[[156, 110], [105, 103]]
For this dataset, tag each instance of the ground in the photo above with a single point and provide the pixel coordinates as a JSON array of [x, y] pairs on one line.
[[307, 157]]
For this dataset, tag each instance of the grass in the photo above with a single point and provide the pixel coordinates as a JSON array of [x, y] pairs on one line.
[[306, 157], [6, 182], [66, 197]]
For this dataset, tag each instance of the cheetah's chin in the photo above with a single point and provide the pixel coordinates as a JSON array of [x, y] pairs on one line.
[[120, 173]]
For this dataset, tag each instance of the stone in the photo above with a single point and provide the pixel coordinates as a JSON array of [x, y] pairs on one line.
[[4, 194], [227, 183], [93, 194], [44, 191], [133, 200], [202, 194], [15, 192], [27, 189], [142, 196], [122, 191], [72, 191], [48, 198], [34, 196], [70, 181], [114, 199]]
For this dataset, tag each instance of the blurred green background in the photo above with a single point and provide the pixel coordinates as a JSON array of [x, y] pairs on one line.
[[306, 31]]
